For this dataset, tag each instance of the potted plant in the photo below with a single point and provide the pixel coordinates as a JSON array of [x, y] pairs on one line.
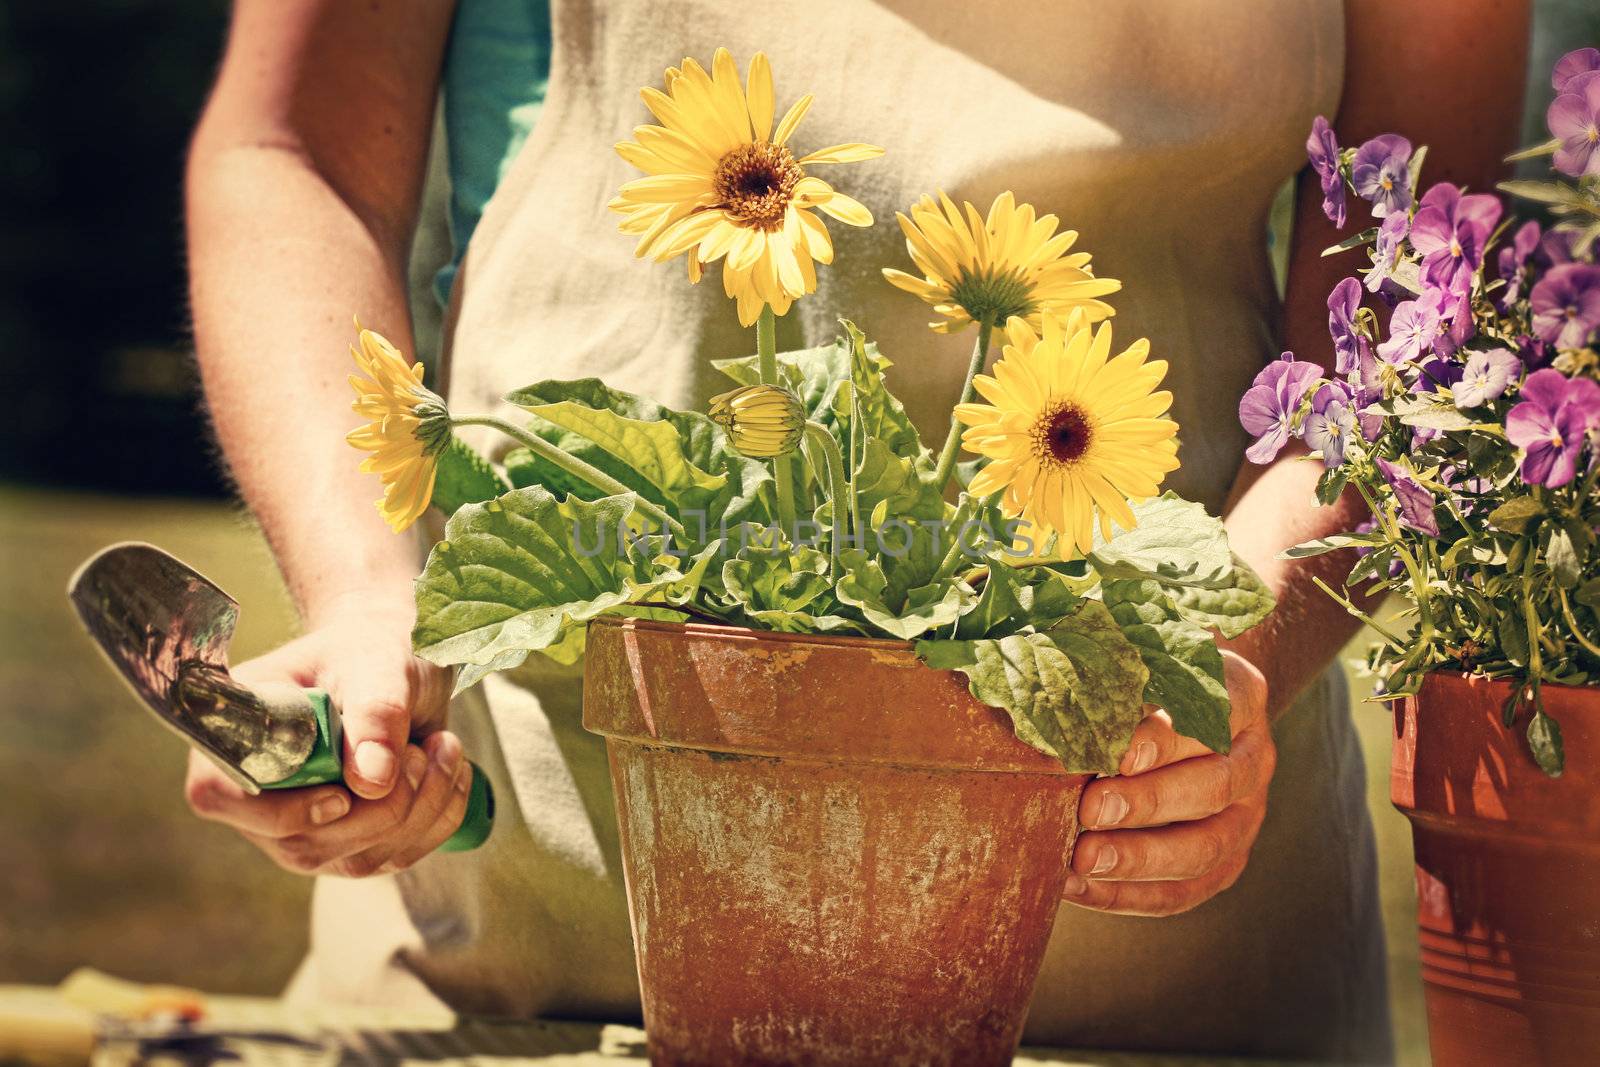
[[840, 674], [1469, 424]]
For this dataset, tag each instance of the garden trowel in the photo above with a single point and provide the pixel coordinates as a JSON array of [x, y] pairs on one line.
[[165, 628]]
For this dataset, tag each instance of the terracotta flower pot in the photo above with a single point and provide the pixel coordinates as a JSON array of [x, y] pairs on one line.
[[834, 854], [1508, 873]]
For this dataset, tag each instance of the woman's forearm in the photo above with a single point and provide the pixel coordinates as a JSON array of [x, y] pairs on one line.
[[279, 263], [301, 197]]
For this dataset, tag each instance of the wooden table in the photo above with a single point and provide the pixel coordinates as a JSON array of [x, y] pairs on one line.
[[251, 1031]]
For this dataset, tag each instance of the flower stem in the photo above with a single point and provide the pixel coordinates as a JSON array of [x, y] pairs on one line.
[[767, 361], [1572, 623], [819, 438], [572, 465], [952, 441]]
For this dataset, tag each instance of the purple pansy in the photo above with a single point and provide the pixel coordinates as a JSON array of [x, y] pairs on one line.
[[1437, 374], [1413, 327], [1566, 304], [1367, 388], [1456, 326], [1379, 174], [1485, 377], [1574, 120], [1578, 61], [1331, 424], [1343, 303], [1386, 248], [1270, 403], [1555, 247], [1449, 233], [1323, 152], [1552, 419], [1513, 262], [1416, 503]]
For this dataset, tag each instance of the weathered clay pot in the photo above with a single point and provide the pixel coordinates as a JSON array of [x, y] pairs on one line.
[[1508, 873], [834, 854]]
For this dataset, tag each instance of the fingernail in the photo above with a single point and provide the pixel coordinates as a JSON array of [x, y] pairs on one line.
[[375, 762], [328, 808], [1074, 886], [1144, 757], [1112, 809], [416, 767], [447, 754], [1106, 860]]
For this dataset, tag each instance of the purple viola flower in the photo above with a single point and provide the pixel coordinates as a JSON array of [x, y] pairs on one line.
[[1550, 423], [1331, 424], [1323, 152], [1456, 325], [1574, 120], [1413, 327], [1449, 233], [1579, 61], [1437, 374], [1386, 248], [1343, 303], [1367, 389], [1379, 174], [1269, 405], [1416, 503], [1513, 262], [1466, 490], [1485, 377], [1566, 304], [1555, 247]]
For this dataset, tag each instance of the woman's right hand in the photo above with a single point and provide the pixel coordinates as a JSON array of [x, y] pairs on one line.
[[406, 780]]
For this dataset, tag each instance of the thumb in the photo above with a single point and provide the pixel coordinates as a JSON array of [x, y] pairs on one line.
[[375, 696]]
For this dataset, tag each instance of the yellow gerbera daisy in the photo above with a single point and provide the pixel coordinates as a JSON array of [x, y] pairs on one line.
[[1070, 432], [721, 183], [978, 269], [409, 427]]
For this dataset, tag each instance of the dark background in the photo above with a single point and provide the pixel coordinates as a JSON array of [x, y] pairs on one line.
[[97, 99]]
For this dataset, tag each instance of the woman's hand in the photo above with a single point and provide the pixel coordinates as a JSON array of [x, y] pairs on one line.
[[1175, 828], [400, 800]]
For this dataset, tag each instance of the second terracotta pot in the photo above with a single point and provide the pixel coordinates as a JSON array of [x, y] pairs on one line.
[[834, 854], [1508, 874]]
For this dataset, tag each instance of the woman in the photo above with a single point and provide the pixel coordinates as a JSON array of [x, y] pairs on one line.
[[1159, 131]]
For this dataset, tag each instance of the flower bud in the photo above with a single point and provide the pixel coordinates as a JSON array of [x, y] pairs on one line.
[[762, 421]]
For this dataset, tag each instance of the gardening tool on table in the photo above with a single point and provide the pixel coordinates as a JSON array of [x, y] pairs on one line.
[[165, 628]]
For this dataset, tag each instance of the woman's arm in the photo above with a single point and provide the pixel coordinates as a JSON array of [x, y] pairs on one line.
[[302, 190], [1177, 827], [1445, 73]]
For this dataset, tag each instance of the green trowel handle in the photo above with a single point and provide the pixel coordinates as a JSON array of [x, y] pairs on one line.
[[324, 765]]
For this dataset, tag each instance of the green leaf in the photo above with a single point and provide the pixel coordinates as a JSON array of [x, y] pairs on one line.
[[464, 477], [1562, 556], [520, 573], [1588, 595], [1543, 192], [1175, 543], [1321, 545], [1427, 412], [1535, 151], [1544, 738], [1186, 675], [525, 467], [1330, 484], [866, 589], [1075, 692], [654, 451], [1516, 514], [1230, 610], [702, 445], [1356, 240]]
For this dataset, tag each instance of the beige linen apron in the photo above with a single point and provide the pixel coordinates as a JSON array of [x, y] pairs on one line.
[[1160, 131]]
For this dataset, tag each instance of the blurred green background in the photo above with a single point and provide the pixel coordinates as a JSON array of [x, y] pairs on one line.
[[103, 440]]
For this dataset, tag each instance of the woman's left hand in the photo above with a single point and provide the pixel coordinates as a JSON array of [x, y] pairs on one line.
[[1175, 827]]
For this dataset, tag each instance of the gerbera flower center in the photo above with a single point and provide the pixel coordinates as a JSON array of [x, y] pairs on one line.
[[993, 296], [755, 183], [1063, 434]]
